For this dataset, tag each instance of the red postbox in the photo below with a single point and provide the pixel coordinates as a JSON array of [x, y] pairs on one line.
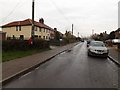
[[30, 41]]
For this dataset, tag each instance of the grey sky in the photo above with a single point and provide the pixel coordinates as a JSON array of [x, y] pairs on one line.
[[100, 15]]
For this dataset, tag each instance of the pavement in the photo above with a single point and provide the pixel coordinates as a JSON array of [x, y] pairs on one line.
[[114, 55], [71, 69], [17, 67]]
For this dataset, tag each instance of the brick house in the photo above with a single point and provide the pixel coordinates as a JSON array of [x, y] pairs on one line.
[[23, 29]]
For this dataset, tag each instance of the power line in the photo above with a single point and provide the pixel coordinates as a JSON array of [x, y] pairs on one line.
[[12, 11], [60, 11]]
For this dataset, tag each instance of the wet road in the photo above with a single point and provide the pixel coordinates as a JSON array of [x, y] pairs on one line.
[[71, 70]]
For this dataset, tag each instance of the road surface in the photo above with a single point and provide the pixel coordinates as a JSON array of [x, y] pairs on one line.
[[72, 69]]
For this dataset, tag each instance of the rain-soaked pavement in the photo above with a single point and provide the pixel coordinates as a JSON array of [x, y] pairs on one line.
[[71, 70]]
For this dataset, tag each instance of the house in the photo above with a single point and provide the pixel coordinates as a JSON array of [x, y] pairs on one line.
[[23, 29], [117, 34], [68, 34], [61, 34]]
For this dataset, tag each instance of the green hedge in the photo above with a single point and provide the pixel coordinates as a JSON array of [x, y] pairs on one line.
[[10, 45]]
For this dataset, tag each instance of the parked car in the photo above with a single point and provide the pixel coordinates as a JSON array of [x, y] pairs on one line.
[[82, 40], [116, 41], [97, 48], [88, 42]]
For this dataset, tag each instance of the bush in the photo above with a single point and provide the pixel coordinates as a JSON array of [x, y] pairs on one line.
[[10, 45], [63, 42]]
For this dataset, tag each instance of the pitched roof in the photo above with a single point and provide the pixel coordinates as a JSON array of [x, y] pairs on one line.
[[117, 30], [26, 22]]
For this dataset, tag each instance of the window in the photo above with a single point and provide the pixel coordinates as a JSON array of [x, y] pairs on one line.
[[47, 31], [44, 29], [35, 28], [43, 37], [95, 43], [36, 36], [40, 29], [19, 28], [46, 37], [16, 28], [21, 37], [13, 36], [39, 36]]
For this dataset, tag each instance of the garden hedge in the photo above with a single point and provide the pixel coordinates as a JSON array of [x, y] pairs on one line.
[[10, 45]]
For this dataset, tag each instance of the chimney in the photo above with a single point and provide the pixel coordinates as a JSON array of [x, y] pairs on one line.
[[41, 20], [55, 29]]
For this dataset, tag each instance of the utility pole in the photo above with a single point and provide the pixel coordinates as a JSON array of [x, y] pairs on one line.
[[78, 34], [72, 30], [92, 31], [119, 14], [33, 6]]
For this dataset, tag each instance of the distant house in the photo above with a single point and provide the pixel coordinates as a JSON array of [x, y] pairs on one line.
[[68, 34], [61, 34], [23, 29], [117, 34]]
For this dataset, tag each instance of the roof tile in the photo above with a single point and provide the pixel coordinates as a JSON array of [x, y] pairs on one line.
[[26, 22]]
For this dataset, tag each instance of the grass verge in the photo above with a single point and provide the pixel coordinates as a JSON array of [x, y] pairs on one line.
[[11, 55]]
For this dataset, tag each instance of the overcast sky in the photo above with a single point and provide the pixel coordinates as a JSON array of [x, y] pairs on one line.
[[100, 15]]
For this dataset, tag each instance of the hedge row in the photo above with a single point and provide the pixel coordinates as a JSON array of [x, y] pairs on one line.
[[63, 42], [10, 45]]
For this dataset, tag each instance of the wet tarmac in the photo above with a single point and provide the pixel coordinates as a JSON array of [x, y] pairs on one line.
[[71, 69]]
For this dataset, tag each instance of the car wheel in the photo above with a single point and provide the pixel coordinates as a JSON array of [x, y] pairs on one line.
[[105, 57], [88, 54]]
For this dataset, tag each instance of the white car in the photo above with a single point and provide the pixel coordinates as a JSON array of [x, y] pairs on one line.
[[97, 48], [116, 41]]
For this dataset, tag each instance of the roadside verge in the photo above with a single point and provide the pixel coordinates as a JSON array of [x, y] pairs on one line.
[[115, 61], [114, 55]]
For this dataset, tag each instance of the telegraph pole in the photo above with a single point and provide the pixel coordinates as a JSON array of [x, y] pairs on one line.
[[72, 30], [78, 34], [92, 31], [33, 6]]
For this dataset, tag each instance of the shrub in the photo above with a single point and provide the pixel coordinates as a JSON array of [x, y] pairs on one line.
[[10, 45]]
